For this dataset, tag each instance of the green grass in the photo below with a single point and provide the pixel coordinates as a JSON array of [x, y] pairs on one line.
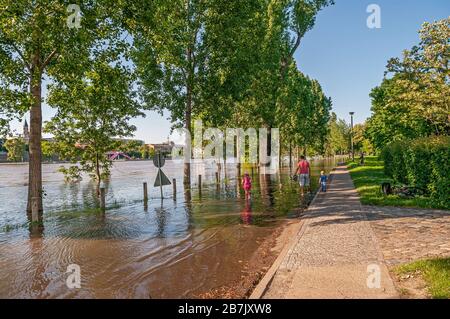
[[368, 180], [435, 273]]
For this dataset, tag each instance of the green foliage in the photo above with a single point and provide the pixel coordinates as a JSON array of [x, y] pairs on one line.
[[230, 63], [392, 119], [423, 163], [15, 148], [423, 78], [440, 172], [146, 151], [394, 164], [48, 150], [132, 148], [71, 174], [303, 111], [368, 179], [338, 142], [415, 101], [361, 143], [36, 43], [93, 112]]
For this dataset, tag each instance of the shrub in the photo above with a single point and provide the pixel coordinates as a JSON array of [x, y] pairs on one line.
[[417, 156], [439, 186], [394, 164], [423, 163]]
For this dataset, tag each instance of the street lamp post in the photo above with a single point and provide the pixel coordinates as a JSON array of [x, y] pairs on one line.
[[351, 135]]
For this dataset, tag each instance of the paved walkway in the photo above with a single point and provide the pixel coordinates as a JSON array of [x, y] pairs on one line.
[[407, 234], [331, 253]]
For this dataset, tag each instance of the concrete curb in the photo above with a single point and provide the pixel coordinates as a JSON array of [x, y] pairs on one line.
[[299, 229]]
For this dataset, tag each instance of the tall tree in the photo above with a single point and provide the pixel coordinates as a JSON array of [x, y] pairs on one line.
[[414, 102], [284, 25], [304, 116], [423, 76], [93, 111], [339, 138], [300, 17], [192, 55], [40, 40]]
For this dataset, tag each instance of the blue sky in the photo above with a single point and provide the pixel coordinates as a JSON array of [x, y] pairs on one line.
[[349, 59], [342, 53]]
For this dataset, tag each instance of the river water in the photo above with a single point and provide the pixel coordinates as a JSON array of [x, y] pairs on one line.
[[167, 249]]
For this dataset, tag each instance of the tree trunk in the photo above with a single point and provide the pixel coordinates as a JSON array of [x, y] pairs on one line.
[[290, 156], [188, 112], [188, 125], [269, 145], [97, 173], [280, 155], [238, 150], [35, 149]]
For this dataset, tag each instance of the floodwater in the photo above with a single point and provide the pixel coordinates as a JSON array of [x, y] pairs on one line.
[[167, 249]]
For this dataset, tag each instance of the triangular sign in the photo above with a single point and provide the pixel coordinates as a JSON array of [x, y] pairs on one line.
[[161, 179]]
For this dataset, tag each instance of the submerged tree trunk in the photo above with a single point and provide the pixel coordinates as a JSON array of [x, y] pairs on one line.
[[269, 146], [190, 72], [35, 149], [290, 156], [280, 157], [98, 174], [238, 150], [188, 126]]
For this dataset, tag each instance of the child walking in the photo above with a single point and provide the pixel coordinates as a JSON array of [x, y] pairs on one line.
[[247, 184], [323, 181]]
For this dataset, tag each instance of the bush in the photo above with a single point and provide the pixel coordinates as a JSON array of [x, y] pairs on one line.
[[418, 156], [423, 163], [394, 164], [440, 167]]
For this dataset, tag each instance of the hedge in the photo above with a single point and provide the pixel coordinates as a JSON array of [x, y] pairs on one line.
[[423, 163]]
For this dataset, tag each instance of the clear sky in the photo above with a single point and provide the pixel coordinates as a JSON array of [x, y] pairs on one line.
[[342, 53], [349, 59]]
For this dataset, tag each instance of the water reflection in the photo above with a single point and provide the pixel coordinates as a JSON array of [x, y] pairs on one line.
[[161, 219], [169, 248], [246, 215]]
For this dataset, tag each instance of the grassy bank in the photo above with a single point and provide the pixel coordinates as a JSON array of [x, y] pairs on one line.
[[368, 180], [435, 273]]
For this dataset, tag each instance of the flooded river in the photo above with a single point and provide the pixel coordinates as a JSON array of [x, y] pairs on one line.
[[168, 249]]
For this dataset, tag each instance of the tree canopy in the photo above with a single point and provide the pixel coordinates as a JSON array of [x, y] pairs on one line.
[[414, 101]]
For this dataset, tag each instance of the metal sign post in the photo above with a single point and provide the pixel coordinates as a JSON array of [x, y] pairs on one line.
[[161, 178]]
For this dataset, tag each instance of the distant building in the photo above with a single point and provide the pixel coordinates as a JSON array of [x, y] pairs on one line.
[[26, 132], [163, 148], [128, 140]]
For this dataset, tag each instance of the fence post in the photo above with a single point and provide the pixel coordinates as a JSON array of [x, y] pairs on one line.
[[145, 192], [174, 183]]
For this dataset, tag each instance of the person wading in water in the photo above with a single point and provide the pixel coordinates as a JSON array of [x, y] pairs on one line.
[[304, 172]]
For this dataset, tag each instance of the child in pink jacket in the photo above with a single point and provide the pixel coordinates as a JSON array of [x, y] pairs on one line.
[[247, 184]]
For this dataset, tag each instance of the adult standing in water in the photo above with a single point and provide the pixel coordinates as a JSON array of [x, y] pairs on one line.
[[304, 171]]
